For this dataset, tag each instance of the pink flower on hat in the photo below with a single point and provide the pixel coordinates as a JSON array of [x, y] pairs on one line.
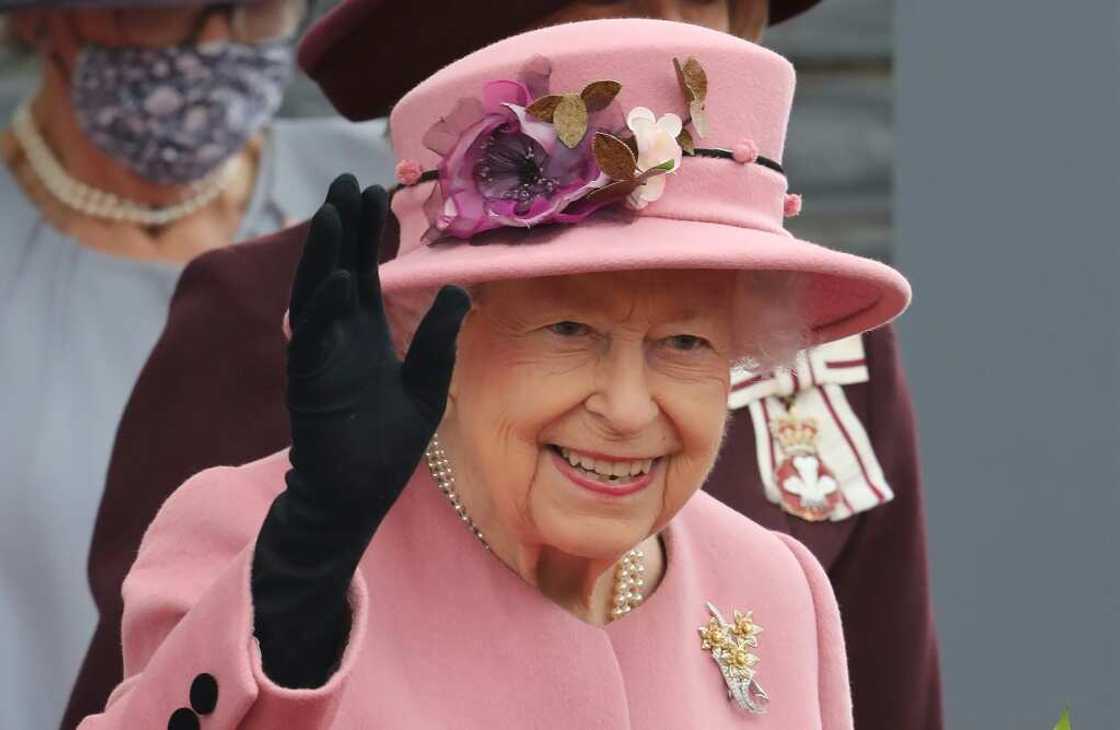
[[409, 172], [502, 167], [657, 147], [745, 151], [792, 205]]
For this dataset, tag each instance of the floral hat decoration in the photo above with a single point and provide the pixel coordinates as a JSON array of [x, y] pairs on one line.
[[520, 155], [614, 145]]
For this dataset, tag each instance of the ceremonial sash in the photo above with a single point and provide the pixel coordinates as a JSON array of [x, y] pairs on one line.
[[814, 455]]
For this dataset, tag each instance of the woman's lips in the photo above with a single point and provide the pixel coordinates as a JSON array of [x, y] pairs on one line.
[[621, 489]]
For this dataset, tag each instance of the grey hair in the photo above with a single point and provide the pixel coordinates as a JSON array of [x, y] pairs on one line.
[[767, 317]]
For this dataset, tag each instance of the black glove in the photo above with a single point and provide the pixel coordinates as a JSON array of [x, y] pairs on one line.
[[361, 420]]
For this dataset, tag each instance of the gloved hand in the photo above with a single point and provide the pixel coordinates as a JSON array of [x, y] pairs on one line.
[[361, 420]]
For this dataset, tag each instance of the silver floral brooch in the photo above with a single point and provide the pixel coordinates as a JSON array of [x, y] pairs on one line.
[[730, 646]]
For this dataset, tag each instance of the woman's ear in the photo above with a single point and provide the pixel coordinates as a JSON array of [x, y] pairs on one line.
[[453, 389], [462, 346], [65, 37]]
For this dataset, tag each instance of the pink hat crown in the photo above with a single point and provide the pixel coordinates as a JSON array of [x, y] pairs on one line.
[[732, 96], [570, 124]]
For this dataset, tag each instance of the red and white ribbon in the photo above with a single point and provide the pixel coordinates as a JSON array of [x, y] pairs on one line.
[[813, 388]]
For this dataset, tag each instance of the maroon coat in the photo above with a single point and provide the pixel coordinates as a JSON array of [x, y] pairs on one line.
[[212, 393]]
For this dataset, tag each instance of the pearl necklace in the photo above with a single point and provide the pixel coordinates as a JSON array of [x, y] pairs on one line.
[[440, 467], [95, 203], [628, 576]]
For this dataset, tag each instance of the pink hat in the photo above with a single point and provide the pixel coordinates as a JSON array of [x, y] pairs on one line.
[[624, 145]]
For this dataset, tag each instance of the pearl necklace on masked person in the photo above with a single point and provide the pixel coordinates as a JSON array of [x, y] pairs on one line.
[[95, 203], [628, 580]]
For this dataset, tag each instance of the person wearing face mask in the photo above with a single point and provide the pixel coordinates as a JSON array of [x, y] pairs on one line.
[[149, 140], [191, 410]]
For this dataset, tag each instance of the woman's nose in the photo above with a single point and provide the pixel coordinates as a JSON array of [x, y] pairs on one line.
[[622, 398]]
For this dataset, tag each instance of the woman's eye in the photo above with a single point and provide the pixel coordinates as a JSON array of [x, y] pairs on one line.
[[569, 329], [687, 343]]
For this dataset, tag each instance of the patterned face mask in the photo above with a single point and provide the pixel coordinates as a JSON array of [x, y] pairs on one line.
[[174, 114]]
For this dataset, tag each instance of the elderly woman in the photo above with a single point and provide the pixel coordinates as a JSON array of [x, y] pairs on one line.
[[502, 527], [148, 140]]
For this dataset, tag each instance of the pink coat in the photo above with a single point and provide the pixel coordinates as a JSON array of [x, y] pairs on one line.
[[446, 636]]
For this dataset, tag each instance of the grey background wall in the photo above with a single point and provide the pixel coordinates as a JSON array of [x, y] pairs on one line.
[[840, 149], [1006, 209]]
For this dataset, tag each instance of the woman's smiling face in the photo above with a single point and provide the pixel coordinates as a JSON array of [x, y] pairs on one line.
[[587, 409]]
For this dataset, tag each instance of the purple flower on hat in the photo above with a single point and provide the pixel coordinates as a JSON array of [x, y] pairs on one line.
[[501, 167]]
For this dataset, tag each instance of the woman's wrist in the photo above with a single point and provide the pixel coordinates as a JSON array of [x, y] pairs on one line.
[[305, 558]]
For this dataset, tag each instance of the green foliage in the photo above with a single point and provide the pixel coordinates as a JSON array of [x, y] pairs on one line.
[[1063, 721]]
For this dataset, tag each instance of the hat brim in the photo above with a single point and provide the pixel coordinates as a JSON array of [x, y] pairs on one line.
[[843, 294]]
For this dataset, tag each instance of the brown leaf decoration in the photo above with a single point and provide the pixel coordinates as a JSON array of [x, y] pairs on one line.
[[544, 107], [684, 139], [680, 79], [699, 117], [614, 156], [599, 94], [614, 192], [693, 80], [694, 86], [570, 120]]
